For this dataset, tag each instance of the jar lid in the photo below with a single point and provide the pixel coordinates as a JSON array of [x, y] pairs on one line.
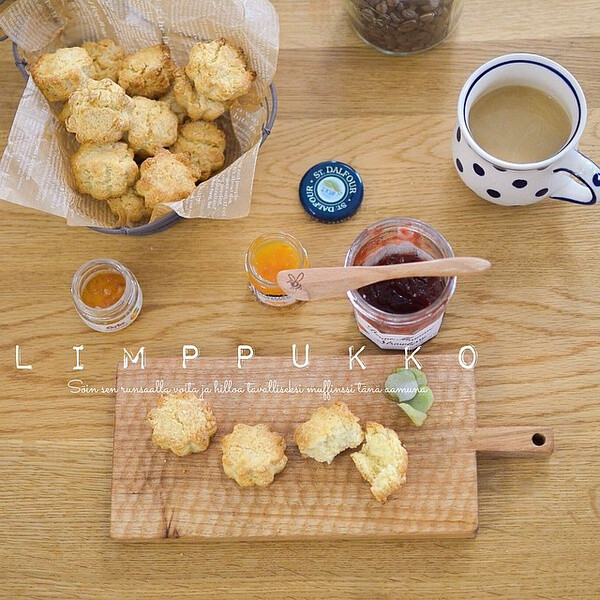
[[331, 191]]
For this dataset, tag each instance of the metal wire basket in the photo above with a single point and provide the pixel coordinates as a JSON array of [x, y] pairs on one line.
[[270, 104]]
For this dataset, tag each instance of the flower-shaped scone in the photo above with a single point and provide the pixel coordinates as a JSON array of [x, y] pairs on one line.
[[204, 143], [107, 58], [165, 178], [329, 431], [253, 455], [129, 208], [219, 71], [170, 100], [104, 171], [182, 423], [196, 105], [147, 72], [153, 126], [98, 111], [59, 74], [382, 461]]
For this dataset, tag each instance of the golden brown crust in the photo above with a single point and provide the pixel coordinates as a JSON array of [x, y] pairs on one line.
[[153, 125], [59, 74], [219, 71], [107, 58], [165, 178], [196, 105], [104, 171], [204, 143], [253, 455], [98, 111], [182, 423], [147, 72], [179, 111], [382, 461], [130, 209], [329, 431]]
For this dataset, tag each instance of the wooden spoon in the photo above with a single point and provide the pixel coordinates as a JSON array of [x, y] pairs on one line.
[[330, 282]]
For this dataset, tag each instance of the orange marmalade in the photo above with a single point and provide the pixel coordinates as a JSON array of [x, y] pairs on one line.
[[103, 289], [267, 256]]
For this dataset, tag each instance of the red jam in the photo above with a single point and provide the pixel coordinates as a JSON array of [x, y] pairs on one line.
[[405, 295]]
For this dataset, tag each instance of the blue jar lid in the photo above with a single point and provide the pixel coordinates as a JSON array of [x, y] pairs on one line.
[[331, 191]]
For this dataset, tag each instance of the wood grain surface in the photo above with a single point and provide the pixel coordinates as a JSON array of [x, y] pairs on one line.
[[534, 319], [156, 494]]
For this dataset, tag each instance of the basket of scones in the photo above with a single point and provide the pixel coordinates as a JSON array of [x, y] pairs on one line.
[[161, 119]]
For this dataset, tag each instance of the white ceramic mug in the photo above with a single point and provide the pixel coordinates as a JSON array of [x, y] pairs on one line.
[[567, 175]]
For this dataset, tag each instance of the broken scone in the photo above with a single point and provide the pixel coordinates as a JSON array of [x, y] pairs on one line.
[[147, 72], [104, 171], [165, 178], [98, 111], [382, 461], [153, 125], [329, 431], [107, 58], [60, 73], [204, 143], [130, 209], [182, 423], [196, 105], [253, 455], [219, 71]]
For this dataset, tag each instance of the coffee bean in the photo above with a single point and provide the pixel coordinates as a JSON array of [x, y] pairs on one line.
[[402, 26]]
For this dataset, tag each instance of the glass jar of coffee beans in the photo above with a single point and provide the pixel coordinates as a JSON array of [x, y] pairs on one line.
[[403, 26]]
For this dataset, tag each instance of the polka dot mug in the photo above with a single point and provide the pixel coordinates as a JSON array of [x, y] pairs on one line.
[[567, 175]]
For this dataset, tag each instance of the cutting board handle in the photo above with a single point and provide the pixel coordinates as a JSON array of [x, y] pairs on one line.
[[514, 441]]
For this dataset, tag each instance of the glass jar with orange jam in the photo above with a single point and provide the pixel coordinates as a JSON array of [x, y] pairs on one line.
[[106, 294], [267, 255]]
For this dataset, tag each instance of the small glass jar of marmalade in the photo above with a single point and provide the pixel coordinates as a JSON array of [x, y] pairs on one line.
[[400, 313], [106, 294], [267, 255]]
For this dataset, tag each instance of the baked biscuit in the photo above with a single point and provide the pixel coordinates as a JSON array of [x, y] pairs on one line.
[[219, 71], [147, 72], [129, 208], [182, 423], [107, 58], [153, 125], [204, 143], [103, 171], [64, 113], [165, 178], [253, 455], [171, 102], [329, 431], [98, 111], [382, 461], [59, 74], [196, 105]]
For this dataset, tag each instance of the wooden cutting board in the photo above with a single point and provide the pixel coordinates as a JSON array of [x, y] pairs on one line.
[[156, 494]]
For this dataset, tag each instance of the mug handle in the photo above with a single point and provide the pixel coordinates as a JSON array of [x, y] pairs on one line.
[[581, 179]]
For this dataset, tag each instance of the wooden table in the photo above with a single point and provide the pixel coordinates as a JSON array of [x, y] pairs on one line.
[[534, 320]]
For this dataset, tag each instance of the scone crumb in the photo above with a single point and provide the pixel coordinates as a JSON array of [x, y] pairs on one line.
[[382, 461], [329, 431], [182, 423], [253, 455], [166, 177]]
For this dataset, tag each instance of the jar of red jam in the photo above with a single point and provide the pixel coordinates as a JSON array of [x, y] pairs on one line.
[[400, 313]]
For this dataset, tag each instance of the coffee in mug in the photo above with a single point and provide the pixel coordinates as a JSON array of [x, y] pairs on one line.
[[519, 123]]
